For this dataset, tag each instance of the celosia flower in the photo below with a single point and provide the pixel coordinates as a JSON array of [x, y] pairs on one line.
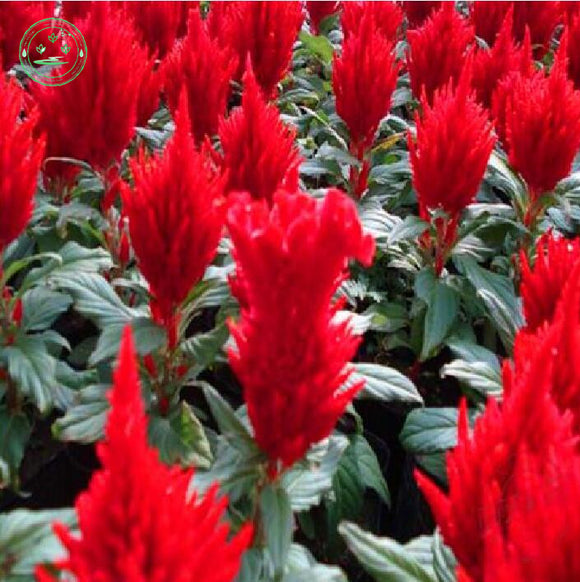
[[453, 145], [15, 19], [542, 285], [541, 18], [444, 39], [266, 31], [201, 66], [490, 66], [137, 521], [387, 18], [20, 159], [76, 9], [93, 119], [574, 50], [259, 155], [175, 219], [292, 351], [157, 23], [543, 126], [363, 98], [481, 468], [417, 11], [320, 10], [488, 18]]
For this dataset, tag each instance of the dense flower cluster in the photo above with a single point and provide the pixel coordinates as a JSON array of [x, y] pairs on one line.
[[418, 12], [387, 18], [20, 158], [291, 350], [175, 225], [444, 39], [137, 521], [204, 68], [259, 155]]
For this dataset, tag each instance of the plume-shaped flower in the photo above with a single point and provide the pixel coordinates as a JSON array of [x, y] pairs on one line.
[[204, 68], [93, 119], [542, 285], [417, 11], [259, 155], [542, 118], [137, 521], [266, 31], [362, 97], [444, 39], [20, 159], [319, 11], [175, 219], [15, 19], [292, 350], [489, 17], [387, 18], [453, 145], [574, 50]]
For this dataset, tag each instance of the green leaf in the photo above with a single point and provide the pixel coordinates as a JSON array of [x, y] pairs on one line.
[[277, 521], [96, 300], [180, 438], [479, 376], [317, 45], [205, 348], [444, 561], [311, 478], [32, 368], [442, 310], [302, 567], [384, 559], [386, 384], [26, 539], [409, 229], [498, 295], [41, 307], [231, 427], [429, 430], [369, 469], [15, 431]]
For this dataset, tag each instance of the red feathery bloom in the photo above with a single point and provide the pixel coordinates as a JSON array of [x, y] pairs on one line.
[[542, 285], [318, 11], [201, 66], [175, 219], [20, 158], [136, 520], [292, 353], [574, 51], [449, 157], [76, 9], [417, 11], [444, 39], [492, 65], [481, 468], [363, 98], [266, 31], [387, 17], [488, 18], [259, 155], [157, 23], [543, 126], [15, 19], [93, 119], [540, 17]]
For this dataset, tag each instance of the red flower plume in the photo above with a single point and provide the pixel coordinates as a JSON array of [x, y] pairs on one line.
[[492, 65], [574, 50], [259, 155], [320, 10], [201, 66], [93, 119], [175, 218], [136, 519], [449, 157], [542, 285], [489, 17], [292, 352], [15, 19], [157, 23], [444, 39], [266, 31], [543, 126], [417, 11], [387, 18], [20, 158], [363, 98], [541, 18]]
